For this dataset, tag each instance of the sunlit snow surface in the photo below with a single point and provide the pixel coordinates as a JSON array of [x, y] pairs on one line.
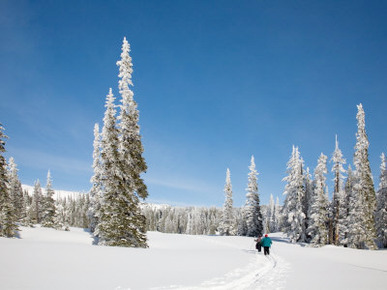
[[48, 259]]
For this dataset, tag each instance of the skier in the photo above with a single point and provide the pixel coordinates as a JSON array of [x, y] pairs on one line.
[[266, 243], [258, 245]]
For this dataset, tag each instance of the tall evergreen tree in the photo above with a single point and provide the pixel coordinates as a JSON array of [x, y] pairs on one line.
[[48, 204], [364, 185], [113, 216], [96, 180], [15, 188], [8, 226], [227, 226], [318, 214], [130, 139], [131, 150], [381, 213], [338, 189], [252, 207], [294, 216]]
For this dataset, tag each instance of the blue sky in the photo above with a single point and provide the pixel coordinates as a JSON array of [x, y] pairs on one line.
[[215, 82]]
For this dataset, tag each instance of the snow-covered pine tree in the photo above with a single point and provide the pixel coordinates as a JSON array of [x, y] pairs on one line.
[[203, 222], [61, 215], [241, 222], [96, 180], [166, 223], [355, 230], [113, 216], [82, 206], [26, 215], [48, 210], [214, 220], [308, 185], [364, 184], [85, 221], [131, 151], [71, 210], [271, 215], [15, 188], [381, 213], [338, 190], [294, 217], [8, 226], [277, 215], [318, 214], [37, 203], [252, 207], [197, 225], [69, 207], [344, 210], [357, 233], [227, 225]]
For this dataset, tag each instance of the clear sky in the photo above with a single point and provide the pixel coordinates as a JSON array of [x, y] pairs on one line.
[[215, 82]]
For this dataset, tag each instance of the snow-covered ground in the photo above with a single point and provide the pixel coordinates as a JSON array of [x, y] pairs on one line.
[[48, 259]]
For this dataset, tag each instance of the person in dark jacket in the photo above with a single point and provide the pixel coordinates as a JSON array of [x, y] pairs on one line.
[[266, 244], [258, 244]]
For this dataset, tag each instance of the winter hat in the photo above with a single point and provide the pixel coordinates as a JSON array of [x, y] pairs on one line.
[[266, 235]]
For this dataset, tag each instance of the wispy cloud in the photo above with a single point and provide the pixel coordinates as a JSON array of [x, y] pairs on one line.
[[44, 160]]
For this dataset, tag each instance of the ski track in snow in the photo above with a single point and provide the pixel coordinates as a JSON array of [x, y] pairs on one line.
[[263, 272]]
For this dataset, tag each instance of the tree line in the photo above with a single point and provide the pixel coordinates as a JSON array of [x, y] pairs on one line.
[[355, 217], [20, 207], [205, 220]]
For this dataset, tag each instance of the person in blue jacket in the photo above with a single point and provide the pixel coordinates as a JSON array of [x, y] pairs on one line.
[[266, 243]]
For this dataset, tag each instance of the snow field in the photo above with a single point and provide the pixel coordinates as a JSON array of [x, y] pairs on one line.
[[259, 273], [332, 267], [48, 259], [44, 258]]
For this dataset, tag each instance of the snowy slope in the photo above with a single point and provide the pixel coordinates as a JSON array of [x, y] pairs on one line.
[[58, 193], [48, 259]]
